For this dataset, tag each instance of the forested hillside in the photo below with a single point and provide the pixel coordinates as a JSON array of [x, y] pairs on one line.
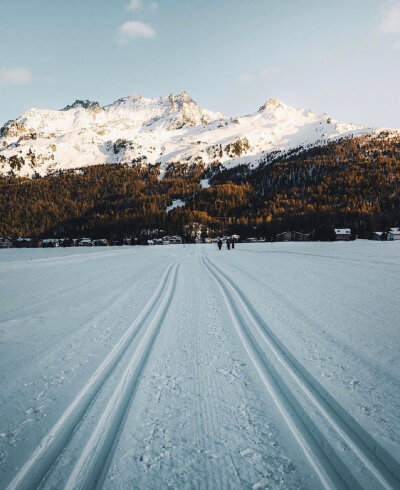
[[352, 182]]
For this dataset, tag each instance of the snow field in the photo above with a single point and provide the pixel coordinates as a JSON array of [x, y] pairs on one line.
[[271, 365]]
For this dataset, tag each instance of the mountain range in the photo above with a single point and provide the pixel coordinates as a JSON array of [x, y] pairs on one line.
[[165, 163], [160, 131]]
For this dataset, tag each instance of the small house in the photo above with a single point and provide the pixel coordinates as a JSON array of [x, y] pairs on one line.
[[292, 236], [101, 242], [50, 242], [22, 242], [393, 234], [298, 236], [171, 239], [175, 239], [85, 242], [5, 242], [67, 242], [285, 236], [343, 234]]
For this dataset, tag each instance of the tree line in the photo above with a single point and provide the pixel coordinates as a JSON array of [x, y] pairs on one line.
[[353, 182]]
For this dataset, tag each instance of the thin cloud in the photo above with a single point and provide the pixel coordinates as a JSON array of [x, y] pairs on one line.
[[245, 78], [390, 17], [269, 72], [135, 5], [150, 7], [266, 74], [16, 76], [132, 30]]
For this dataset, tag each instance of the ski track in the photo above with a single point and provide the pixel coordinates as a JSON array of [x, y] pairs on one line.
[[384, 468], [198, 389], [199, 421], [349, 350], [40, 462]]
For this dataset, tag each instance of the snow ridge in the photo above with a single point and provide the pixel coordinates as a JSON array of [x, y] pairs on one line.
[[159, 130]]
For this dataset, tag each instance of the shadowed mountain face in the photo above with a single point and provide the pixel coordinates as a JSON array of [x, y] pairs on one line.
[[160, 131]]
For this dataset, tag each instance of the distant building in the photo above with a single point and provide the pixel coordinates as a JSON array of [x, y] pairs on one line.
[[292, 236], [68, 242], [285, 236], [393, 234], [343, 234], [171, 239], [5, 242], [101, 242], [22, 242], [377, 236], [85, 242], [175, 239], [50, 242]]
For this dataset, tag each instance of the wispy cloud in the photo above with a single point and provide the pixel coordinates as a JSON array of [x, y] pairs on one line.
[[390, 17], [135, 5], [269, 72], [132, 30], [146, 6], [16, 76], [245, 78], [266, 74], [389, 22]]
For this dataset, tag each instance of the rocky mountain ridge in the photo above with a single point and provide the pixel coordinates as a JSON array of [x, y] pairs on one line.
[[161, 131]]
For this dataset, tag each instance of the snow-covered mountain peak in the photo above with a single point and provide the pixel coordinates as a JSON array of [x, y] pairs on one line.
[[271, 103], [158, 130], [162, 113], [84, 104]]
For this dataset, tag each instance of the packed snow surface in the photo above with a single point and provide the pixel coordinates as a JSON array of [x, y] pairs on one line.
[[266, 366], [162, 130]]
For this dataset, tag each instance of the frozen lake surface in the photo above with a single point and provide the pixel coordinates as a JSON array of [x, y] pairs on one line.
[[266, 366]]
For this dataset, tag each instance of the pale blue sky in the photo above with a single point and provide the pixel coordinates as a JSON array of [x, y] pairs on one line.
[[341, 57]]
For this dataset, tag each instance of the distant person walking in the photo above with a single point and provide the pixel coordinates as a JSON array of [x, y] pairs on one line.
[[228, 243], [219, 243], [233, 243]]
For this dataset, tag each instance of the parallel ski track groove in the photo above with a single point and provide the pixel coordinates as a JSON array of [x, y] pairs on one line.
[[325, 471], [375, 458], [44, 456], [92, 466]]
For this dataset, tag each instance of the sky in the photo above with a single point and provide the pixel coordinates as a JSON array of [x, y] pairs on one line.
[[340, 57]]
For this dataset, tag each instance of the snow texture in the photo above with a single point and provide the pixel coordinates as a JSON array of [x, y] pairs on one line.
[[266, 366]]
